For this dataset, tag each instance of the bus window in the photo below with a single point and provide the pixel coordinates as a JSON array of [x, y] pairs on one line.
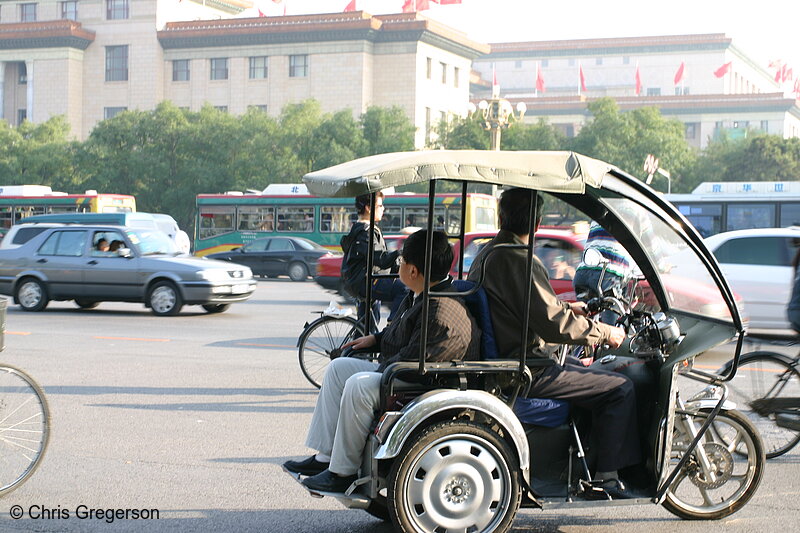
[[392, 221], [748, 216], [485, 219], [256, 218], [215, 220], [296, 219], [334, 219], [706, 218], [418, 217], [790, 215]]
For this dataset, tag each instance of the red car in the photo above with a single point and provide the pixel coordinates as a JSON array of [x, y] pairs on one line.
[[560, 251]]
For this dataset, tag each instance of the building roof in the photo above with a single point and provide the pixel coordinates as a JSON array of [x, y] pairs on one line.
[[357, 25], [233, 7], [48, 34]]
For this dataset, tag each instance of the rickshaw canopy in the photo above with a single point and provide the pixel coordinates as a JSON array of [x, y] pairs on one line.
[[558, 172]]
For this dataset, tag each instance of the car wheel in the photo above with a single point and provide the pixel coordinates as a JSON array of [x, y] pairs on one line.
[[86, 304], [31, 295], [164, 299], [216, 308], [298, 272]]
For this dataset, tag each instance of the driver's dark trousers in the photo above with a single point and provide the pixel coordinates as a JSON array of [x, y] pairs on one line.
[[612, 401]]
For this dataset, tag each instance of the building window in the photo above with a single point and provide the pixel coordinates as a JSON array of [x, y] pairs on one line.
[[117, 63], [427, 125], [598, 61], [222, 108], [180, 70], [258, 107], [456, 74], [444, 73], [22, 115], [298, 66], [428, 68], [69, 10], [219, 68], [111, 112], [690, 131], [654, 91], [27, 12], [545, 62], [22, 73], [116, 9], [258, 68], [517, 64], [571, 61], [765, 126], [626, 60]]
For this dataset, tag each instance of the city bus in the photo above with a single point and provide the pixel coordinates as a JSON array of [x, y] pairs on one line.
[[714, 207], [227, 221], [20, 201]]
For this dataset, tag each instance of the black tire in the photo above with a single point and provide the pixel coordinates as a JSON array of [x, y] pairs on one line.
[[739, 471], [164, 299], [454, 475], [322, 342], [86, 304], [31, 295], [764, 375], [298, 272], [216, 308], [378, 508], [26, 411]]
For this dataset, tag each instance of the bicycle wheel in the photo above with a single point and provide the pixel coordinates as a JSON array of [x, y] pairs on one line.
[[766, 376], [322, 341], [24, 427]]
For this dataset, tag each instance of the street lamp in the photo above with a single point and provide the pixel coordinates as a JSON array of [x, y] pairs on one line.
[[497, 115]]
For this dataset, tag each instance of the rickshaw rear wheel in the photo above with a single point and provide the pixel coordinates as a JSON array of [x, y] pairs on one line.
[[737, 457], [454, 475]]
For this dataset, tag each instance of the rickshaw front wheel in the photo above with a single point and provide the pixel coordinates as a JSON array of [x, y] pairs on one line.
[[454, 475], [735, 457]]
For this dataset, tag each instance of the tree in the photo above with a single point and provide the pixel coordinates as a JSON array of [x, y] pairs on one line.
[[539, 136], [386, 130], [462, 134]]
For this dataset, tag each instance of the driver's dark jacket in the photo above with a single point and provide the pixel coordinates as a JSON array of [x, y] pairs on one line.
[[452, 332], [551, 320]]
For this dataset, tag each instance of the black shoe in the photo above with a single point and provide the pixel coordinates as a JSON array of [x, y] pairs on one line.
[[616, 489], [327, 481], [306, 467]]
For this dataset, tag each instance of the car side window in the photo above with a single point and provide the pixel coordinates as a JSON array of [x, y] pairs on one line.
[[106, 243], [766, 251], [65, 243], [259, 245], [26, 234], [280, 245]]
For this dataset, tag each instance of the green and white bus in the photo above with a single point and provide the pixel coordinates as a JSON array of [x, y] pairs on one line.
[[227, 221]]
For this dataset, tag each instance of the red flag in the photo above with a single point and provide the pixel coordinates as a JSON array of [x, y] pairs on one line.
[[721, 71], [409, 6], [422, 5], [679, 73], [539, 80], [583, 80], [261, 13], [495, 84], [638, 88], [797, 87], [448, 2], [786, 74], [350, 7]]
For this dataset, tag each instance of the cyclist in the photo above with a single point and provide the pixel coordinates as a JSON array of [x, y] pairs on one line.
[[354, 265], [793, 310]]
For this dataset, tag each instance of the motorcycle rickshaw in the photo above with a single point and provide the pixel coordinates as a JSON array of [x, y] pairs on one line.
[[467, 450]]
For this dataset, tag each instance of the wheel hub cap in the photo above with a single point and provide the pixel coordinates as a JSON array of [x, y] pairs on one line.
[[721, 463], [458, 490]]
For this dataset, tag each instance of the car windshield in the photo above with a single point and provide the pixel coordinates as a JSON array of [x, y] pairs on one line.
[[305, 244], [152, 242], [686, 280]]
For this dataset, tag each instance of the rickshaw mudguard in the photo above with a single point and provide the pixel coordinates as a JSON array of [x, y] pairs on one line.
[[414, 416]]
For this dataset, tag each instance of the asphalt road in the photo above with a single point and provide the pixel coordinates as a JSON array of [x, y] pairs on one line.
[[192, 416]]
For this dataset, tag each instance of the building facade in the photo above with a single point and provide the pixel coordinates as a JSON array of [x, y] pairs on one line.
[[92, 59], [703, 80]]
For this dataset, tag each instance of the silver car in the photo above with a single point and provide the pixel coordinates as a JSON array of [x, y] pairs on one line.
[[92, 264]]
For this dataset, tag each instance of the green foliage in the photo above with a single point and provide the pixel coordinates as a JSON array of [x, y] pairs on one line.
[[387, 130]]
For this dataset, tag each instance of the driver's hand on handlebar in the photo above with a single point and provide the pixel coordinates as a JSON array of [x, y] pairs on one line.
[[361, 343], [579, 308], [616, 337]]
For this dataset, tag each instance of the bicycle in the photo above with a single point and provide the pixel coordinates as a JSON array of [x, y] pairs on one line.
[[322, 341], [24, 427], [767, 389]]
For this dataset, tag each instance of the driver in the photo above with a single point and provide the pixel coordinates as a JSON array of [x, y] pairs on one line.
[[609, 396], [350, 391]]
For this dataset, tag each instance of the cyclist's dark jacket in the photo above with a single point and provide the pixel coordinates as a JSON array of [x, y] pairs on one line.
[[452, 332], [355, 246]]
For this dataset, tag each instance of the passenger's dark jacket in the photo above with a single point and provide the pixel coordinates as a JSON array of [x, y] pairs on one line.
[[551, 320], [452, 332], [355, 245]]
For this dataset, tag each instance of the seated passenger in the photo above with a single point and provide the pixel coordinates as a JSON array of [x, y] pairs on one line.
[[609, 396], [102, 245], [116, 245], [350, 391]]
